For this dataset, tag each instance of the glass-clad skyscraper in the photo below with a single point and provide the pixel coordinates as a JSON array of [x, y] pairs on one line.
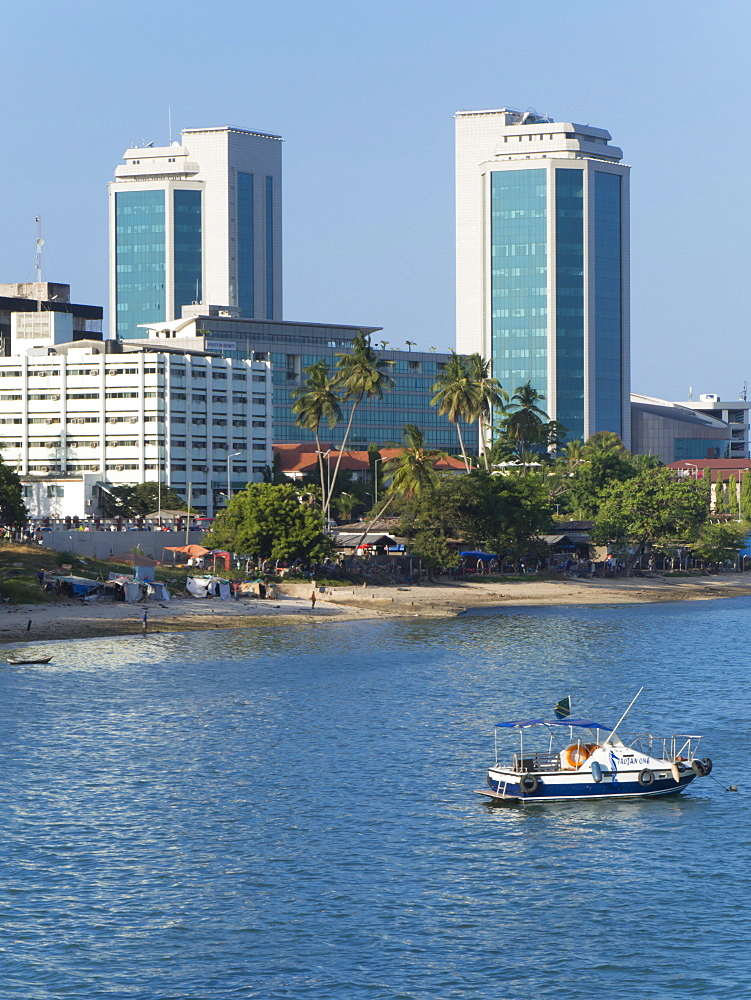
[[199, 220], [543, 263]]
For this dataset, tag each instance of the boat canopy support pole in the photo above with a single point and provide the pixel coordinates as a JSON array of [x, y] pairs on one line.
[[623, 716]]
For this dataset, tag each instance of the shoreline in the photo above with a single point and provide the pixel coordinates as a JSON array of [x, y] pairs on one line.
[[78, 620]]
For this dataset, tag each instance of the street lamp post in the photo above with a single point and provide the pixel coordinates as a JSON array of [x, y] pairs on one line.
[[229, 474], [375, 477]]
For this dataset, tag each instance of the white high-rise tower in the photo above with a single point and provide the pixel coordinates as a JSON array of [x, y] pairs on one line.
[[542, 263], [197, 221]]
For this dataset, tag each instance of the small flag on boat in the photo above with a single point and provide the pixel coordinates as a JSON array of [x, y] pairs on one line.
[[563, 708]]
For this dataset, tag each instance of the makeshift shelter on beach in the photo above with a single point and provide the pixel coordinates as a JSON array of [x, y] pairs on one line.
[[77, 586], [208, 586]]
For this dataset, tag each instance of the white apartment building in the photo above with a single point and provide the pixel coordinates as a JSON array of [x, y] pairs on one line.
[[542, 262], [199, 220], [83, 413]]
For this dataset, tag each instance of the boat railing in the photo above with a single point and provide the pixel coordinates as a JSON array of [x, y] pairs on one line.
[[664, 747], [544, 760]]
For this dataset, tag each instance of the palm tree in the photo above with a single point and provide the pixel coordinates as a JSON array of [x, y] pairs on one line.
[[412, 472], [489, 393], [360, 374], [410, 344], [603, 443], [316, 400], [456, 396], [525, 420]]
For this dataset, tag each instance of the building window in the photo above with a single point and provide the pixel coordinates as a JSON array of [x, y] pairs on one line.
[[55, 491]]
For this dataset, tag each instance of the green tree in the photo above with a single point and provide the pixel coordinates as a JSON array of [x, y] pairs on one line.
[[433, 551], [503, 514], [604, 443], [525, 421], [361, 374], [317, 400], [592, 475], [271, 522], [139, 500], [720, 543], [746, 496], [641, 463], [649, 508], [12, 508], [413, 471], [732, 501], [456, 396], [488, 393], [720, 507]]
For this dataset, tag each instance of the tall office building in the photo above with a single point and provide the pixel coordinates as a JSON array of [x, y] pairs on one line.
[[197, 221], [542, 259]]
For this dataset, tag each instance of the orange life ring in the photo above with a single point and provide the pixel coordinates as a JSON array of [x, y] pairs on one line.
[[575, 755]]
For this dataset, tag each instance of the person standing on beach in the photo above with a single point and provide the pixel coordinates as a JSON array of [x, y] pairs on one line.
[[313, 601], [144, 620]]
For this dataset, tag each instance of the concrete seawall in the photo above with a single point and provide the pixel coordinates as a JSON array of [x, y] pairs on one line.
[[103, 544]]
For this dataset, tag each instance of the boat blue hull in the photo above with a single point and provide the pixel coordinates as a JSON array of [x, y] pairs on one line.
[[560, 790]]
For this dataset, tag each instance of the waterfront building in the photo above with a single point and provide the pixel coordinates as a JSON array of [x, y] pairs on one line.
[[542, 262], [106, 414], [197, 220], [40, 313], [674, 432], [291, 347]]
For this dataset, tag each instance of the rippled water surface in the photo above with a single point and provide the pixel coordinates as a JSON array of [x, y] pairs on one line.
[[290, 813]]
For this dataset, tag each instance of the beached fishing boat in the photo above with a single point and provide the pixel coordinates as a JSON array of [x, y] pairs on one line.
[[21, 663], [566, 759]]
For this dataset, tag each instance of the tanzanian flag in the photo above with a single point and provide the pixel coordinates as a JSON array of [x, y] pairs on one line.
[[563, 708]]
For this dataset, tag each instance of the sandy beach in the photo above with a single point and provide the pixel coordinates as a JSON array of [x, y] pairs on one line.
[[77, 620]]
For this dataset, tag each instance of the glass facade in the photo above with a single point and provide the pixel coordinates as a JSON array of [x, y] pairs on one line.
[[187, 248], [569, 300], [291, 347], [139, 260], [269, 248], [608, 297], [245, 257], [688, 448], [519, 268]]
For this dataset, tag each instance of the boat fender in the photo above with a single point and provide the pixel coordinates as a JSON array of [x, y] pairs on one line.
[[676, 772], [529, 784], [680, 765], [707, 762], [698, 768], [596, 771], [646, 778], [575, 755]]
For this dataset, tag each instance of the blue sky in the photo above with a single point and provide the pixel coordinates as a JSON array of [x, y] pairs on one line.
[[364, 97]]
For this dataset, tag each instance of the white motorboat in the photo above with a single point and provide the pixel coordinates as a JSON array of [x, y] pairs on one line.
[[566, 759]]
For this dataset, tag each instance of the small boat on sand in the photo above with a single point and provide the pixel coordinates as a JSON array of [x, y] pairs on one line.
[[22, 663], [566, 759]]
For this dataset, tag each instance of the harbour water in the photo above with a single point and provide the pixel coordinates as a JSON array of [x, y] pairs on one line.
[[289, 813]]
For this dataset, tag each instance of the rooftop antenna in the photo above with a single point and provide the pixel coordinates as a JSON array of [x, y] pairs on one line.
[[690, 393], [744, 392], [169, 119], [38, 264]]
